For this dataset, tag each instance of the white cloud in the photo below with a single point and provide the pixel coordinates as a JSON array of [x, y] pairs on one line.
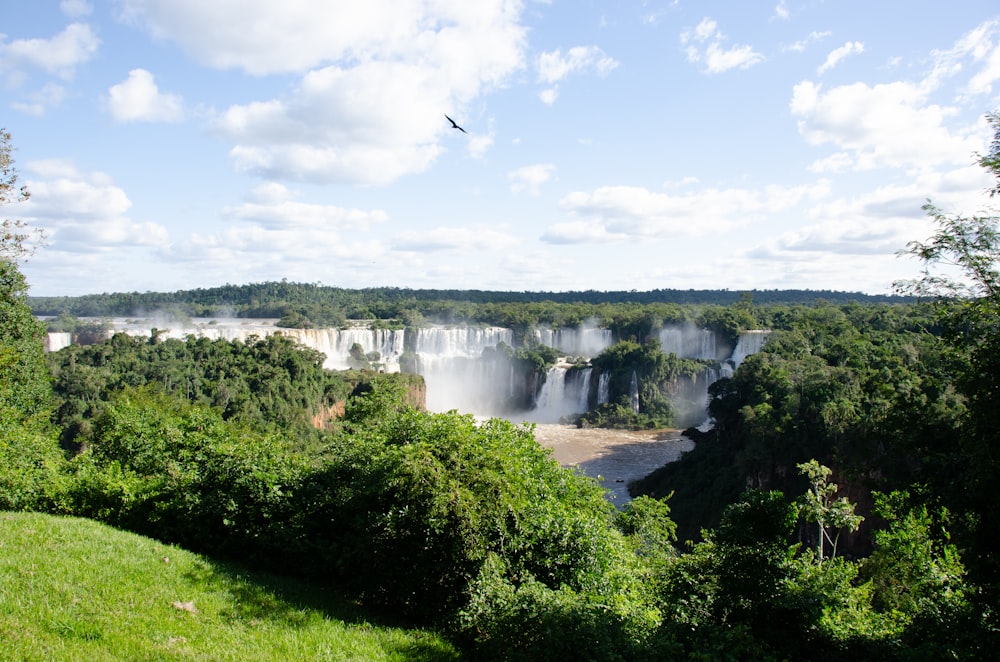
[[781, 10], [553, 67], [75, 8], [59, 56], [272, 206], [138, 99], [530, 178], [376, 79], [50, 96], [802, 44], [838, 54], [84, 212], [889, 124], [454, 239], [979, 43], [480, 40], [704, 45], [636, 213]]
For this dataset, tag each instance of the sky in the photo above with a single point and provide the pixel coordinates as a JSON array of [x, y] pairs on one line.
[[608, 145]]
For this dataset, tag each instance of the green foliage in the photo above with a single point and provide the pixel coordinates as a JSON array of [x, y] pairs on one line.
[[737, 580], [529, 620], [160, 466], [818, 505], [659, 377], [434, 494], [72, 589], [914, 564], [270, 381]]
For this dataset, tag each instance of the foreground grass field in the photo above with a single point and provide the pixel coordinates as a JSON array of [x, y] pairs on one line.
[[73, 589]]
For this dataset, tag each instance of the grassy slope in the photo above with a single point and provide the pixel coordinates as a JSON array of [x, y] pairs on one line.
[[73, 589]]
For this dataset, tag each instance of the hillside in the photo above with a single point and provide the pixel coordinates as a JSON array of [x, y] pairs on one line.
[[73, 589]]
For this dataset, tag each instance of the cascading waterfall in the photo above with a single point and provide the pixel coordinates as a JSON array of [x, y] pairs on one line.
[[583, 397], [584, 341], [750, 342], [633, 392], [57, 340], [461, 369], [690, 342], [603, 388], [564, 393]]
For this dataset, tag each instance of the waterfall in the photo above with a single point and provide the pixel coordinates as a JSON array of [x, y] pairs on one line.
[[689, 342], [633, 392], [583, 398], [564, 393], [55, 341], [603, 388], [461, 369], [750, 342], [582, 341]]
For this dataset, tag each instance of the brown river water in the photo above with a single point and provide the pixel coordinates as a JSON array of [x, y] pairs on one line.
[[614, 457]]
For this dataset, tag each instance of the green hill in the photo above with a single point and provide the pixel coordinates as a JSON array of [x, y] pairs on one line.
[[73, 589]]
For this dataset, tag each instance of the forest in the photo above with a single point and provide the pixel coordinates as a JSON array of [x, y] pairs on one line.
[[306, 305], [843, 504]]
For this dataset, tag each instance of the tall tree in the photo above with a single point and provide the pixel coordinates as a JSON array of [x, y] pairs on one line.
[[969, 302], [23, 381]]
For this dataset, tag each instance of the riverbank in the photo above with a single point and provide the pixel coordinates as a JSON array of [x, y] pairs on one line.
[[617, 456]]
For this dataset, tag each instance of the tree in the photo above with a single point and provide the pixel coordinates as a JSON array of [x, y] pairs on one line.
[[819, 506], [23, 378], [29, 453], [14, 234], [969, 308]]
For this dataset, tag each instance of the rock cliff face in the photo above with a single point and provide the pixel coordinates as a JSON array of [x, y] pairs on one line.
[[416, 395]]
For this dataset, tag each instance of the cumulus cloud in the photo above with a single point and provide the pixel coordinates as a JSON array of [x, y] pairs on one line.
[[84, 212], [554, 66], [801, 45], [979, 45], [629, 212], [36, 103], [273, 206], [838, 54], [454, 239], [138, 99], [59, 56], [530, 178], [888, 124], [75, 8], [704, 45], [877, 223], [374, 78]]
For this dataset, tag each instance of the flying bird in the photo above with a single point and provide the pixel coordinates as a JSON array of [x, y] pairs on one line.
[[456, 126]]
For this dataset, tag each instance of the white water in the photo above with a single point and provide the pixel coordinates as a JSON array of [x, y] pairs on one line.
[[690, 342], [451, 359]]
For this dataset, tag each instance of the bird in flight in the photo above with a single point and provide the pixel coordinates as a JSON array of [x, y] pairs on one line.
[[456, 126]]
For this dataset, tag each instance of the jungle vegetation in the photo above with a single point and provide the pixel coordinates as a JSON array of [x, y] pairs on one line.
[[845, 505]]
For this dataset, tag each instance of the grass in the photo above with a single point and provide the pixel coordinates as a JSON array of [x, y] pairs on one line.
[[74, 589]]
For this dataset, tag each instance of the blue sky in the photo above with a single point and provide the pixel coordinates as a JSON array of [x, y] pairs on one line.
[[174, 144]]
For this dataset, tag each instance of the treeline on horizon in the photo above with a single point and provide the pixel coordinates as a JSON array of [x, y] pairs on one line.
[[280, 298]]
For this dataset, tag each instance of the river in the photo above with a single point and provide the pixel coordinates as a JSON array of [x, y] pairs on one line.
[[617, 456]]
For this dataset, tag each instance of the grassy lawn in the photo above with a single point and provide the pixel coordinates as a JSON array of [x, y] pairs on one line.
[[73, 589]]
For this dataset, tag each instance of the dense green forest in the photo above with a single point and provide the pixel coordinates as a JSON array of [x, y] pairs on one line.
[[315, 305], [845, 504]]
